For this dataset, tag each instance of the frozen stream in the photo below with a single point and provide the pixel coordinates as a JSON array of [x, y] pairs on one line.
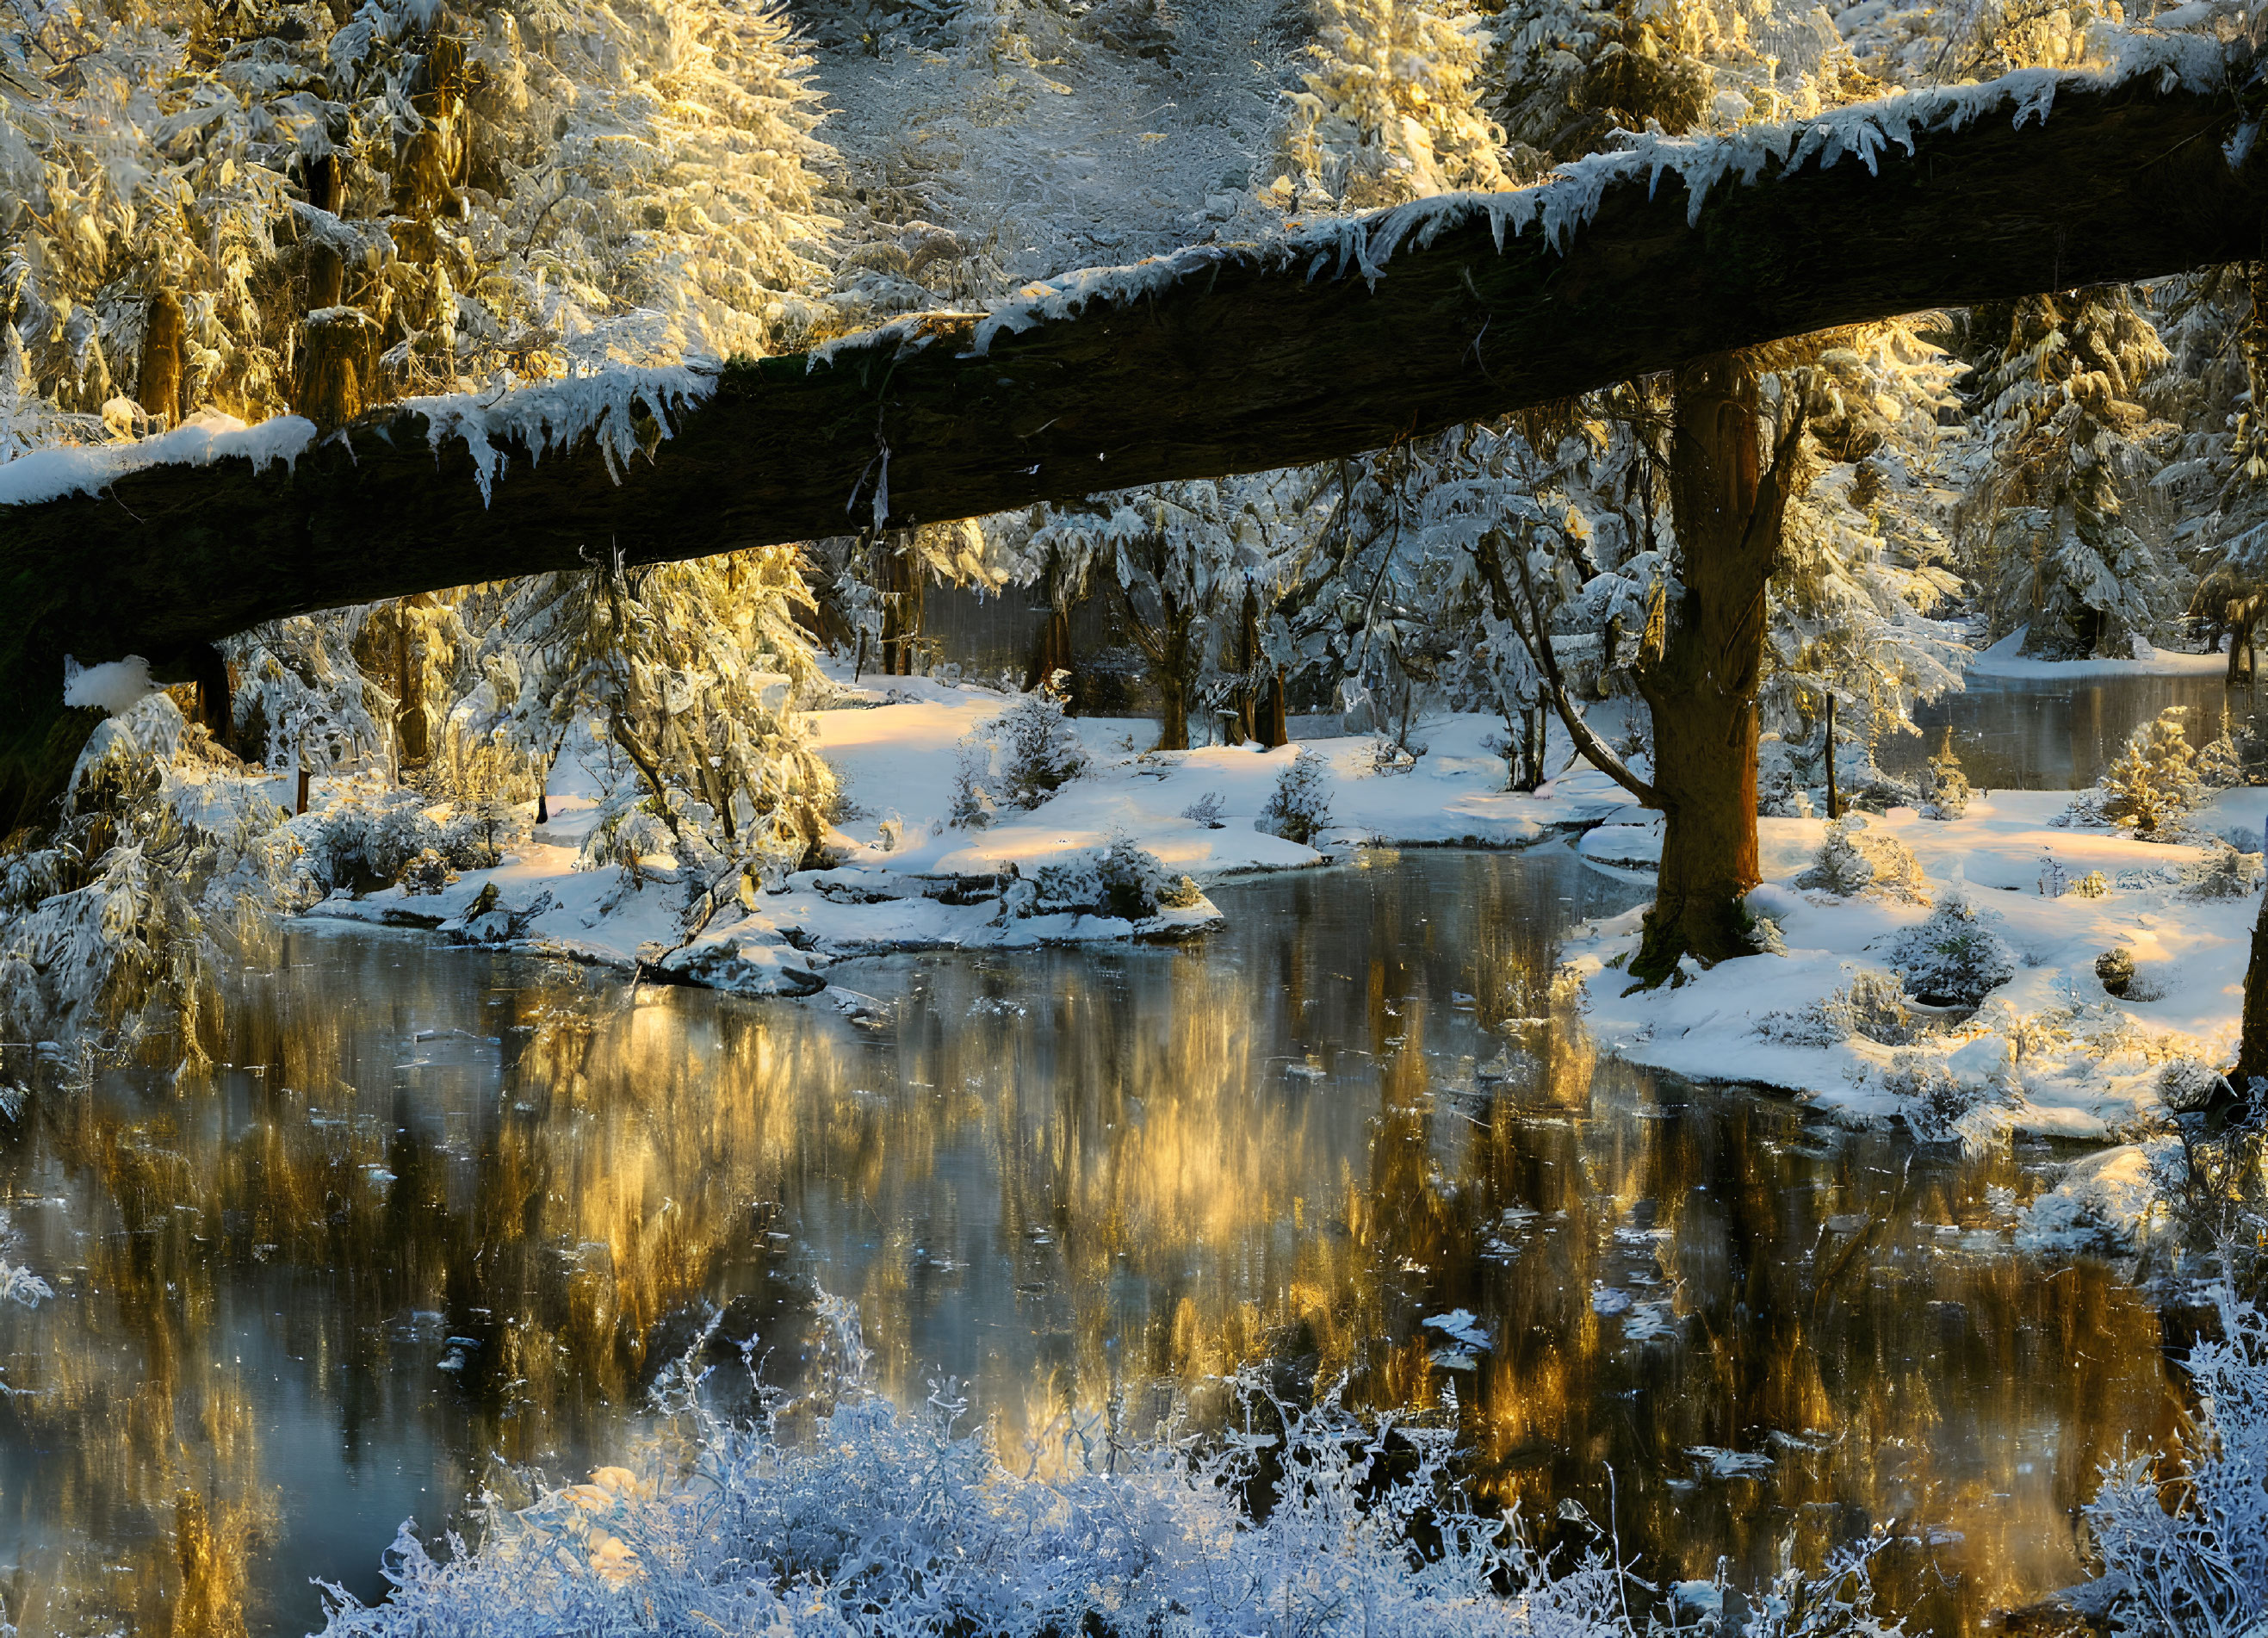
[[441, 1206]]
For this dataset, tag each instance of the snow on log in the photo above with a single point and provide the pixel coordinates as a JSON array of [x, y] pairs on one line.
[[1214, 360]]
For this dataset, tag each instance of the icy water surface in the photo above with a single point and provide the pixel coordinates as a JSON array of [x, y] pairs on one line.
[[445, 1210]]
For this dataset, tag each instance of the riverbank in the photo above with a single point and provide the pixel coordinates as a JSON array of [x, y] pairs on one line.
[[2109, 970], [907, 877], [2048, 1051]]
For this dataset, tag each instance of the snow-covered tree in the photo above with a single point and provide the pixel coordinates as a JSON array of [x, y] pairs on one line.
[[2153, 783], [2057, 540], [1390, 109], [695, 672]]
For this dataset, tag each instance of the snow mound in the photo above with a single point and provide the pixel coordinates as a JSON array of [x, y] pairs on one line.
[[113, 688], [2106, 1202]]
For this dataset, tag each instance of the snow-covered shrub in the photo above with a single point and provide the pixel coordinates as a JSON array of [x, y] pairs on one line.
[[2223, 873], [1121, 880], [366, 840], [2220, 764], [1301, 805], [1779, 790], [2151, 785], [2093, 884], [2115, 969], [1039, 752], [1206, 810], [973, 805], [2184, 1554], [630, 829], [1952, 958], [856, 1519], [1852, 860], [2186, 1085], [428, 873], [1019, 759], [1872, 1004], [839, 1515], [122, 918], [1938, 1105], [1945, 788]]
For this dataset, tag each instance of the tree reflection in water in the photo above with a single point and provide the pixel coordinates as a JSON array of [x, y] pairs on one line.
[[441, 1214]]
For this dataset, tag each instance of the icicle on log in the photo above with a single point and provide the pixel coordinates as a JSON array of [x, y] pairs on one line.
[[1213, 361]]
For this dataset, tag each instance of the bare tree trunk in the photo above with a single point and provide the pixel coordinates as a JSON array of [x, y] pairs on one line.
[[216, 708], [1703, 690], [1173, 711], [2252, 1042], [1834, 805], [1274, 726], [1245, 725], [164, 336], [1051, 652], [898, 575]]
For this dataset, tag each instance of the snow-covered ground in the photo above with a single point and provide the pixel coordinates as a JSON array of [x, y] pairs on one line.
[[2006, 659], [2051, 1052], [909, 879]]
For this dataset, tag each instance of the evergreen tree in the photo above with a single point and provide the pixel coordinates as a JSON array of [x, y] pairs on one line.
[[2054, 542]]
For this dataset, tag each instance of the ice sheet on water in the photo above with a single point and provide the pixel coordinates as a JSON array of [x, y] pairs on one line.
[[1463, 1325]]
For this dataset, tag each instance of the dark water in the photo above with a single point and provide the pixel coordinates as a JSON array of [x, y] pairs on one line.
[[1054, 1175], [2054, 736]]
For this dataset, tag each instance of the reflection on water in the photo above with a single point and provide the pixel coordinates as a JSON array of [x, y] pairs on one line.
[[444, 1208], [2055, 736]]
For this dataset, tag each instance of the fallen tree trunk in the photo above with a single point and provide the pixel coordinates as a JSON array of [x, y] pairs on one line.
[[1214, 361]]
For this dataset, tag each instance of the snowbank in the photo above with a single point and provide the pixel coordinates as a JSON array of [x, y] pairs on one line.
[[2005, 658], [2051, 1052]]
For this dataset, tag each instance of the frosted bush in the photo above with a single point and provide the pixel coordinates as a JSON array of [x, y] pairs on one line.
[[1019, 759], [1121, 880], [2115, 969], [365, 842], [428, 873], [124, 917], [628, 829], [1206, 810], [1852, 860], [1952, 959], [2223, 872], [2186, 1085], [1938, 1105], [881, 1521], [2152, 784], [2220, 764], [1872, 1004], [1301, 805], [841, 1515], [1944, 786], [2093, 884], [2186, 1555], [973, 804], [1039, 752], [1779, 790]]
